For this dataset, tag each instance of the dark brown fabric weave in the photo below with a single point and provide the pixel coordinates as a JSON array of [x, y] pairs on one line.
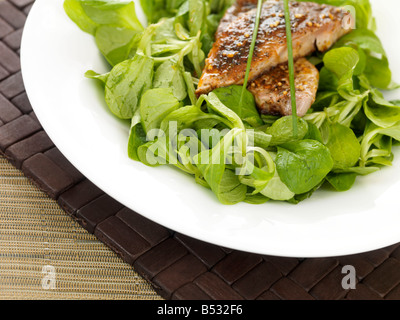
[[179, 268]]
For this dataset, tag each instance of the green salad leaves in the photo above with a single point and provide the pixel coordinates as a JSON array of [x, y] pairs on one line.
[[113, 24], [220, 139]]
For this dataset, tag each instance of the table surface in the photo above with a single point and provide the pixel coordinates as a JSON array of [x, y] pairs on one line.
[[44, 254], [63, 238]]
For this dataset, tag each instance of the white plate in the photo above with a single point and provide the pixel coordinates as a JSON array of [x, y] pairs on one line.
[[56, 54]]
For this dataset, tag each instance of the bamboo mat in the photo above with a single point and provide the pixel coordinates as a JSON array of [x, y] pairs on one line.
[[44, 254]]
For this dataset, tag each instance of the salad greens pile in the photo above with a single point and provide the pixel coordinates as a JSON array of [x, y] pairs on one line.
[[225, 145]]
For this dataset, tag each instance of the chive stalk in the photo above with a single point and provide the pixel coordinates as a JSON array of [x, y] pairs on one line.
[[291, 65], [251, 51], [290, 59]]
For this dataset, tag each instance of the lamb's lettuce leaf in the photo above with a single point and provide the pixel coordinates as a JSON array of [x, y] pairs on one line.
[[343, 145], [114, 25], [213, 166], [230, 96], [302, 165], [155, 105], [342, 181], [125, 83]]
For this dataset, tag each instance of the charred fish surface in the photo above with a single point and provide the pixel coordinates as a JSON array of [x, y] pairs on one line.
[[315, 27], [272, 89]]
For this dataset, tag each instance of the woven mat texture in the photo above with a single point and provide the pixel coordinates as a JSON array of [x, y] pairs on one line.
[[63, 238], [36, 235]]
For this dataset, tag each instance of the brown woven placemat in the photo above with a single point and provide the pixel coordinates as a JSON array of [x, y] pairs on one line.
[[177, 267]]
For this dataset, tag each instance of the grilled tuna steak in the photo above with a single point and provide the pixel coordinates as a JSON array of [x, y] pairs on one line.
[[272, 90], [314, 27]]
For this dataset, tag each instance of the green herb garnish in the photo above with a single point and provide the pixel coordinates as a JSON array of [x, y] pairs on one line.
[[290, 59], [291, 65], [251, 52]]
